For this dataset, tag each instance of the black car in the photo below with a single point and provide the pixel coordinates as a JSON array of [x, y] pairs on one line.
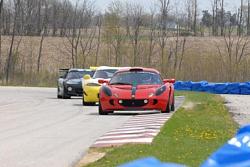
[[70, 82]]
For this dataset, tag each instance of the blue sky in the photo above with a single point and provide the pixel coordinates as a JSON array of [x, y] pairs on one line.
[[203, 4]]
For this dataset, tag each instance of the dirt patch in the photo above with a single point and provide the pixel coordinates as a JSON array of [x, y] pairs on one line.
[[90, 157], [189, 105]]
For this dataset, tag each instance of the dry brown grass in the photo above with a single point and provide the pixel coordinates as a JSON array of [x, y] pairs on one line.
[[201, 61]]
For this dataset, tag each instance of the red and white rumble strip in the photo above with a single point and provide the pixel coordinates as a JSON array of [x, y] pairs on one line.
[[140, 129]]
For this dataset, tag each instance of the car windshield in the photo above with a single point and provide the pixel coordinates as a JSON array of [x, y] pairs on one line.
[[136, 78], [105, 74], [79, 74]]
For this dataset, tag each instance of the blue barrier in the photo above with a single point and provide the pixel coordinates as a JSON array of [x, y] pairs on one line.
[[236, 152], [217, 88]]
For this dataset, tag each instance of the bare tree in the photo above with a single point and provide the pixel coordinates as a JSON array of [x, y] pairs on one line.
[[240, 19], [44, 28], [195, 17], [10, 55], [99, 25], [135, 31], [236, 51], [65, 12], [189, 15], [222, 18], [163, 34], [152, 36], [248, 17], [1, 7], [114, 26], [215, 24]]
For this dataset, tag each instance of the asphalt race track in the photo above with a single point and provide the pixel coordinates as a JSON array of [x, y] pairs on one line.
[[39, 130]]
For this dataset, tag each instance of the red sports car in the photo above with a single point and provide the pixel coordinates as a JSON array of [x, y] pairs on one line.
[[136, 89]]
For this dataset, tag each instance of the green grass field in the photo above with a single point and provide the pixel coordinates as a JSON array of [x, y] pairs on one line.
[[199, 128]]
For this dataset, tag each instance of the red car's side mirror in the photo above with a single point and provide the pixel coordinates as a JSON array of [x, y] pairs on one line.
[[169, 81], [103, 81]]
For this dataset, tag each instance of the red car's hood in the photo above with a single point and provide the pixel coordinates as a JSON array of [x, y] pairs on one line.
[[140, 92]]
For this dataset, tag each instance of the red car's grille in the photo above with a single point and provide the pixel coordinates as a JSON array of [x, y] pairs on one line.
[[133, 103]]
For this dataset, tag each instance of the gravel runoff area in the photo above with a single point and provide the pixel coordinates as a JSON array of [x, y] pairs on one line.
[[239, 106]]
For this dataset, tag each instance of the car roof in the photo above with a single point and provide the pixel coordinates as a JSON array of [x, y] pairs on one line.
[[108, 68], [93, 68], [79, 70], [128, 69]]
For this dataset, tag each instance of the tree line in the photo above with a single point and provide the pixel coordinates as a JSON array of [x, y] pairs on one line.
[[63, 17], [119, 35], [218, 20]]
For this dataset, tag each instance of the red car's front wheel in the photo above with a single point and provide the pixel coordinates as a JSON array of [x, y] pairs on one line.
[[167, 110], [101, 111], [173, 105]]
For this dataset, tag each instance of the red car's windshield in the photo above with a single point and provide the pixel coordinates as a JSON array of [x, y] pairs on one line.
[[136, 78]]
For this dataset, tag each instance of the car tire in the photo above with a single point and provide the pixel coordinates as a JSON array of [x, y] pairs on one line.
[[65, 95], [58, 95], [111, 112], [101, 112], [173, 105], [167, 110], [87, 103]]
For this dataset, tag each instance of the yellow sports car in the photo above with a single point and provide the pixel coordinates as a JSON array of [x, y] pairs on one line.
[[91, 86]]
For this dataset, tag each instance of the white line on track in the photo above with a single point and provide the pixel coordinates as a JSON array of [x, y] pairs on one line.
[[127, 136], [153, 126], [131, 129], [134, 131], [139, 140]]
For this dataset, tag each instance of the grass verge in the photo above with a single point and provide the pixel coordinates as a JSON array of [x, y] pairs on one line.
[[189, 137]]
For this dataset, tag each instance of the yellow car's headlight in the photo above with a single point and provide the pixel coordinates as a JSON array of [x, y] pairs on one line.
[[93, 84]]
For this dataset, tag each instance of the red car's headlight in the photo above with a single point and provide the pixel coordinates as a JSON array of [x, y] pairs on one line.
[[116, 95], [160, 90], [107, 91], [151, 94]]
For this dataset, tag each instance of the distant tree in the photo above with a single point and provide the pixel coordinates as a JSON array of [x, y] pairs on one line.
[[222, 20], [1, 7], [248, 17], [113, 30], [152, 35], [135, 31], [13, 35], [195, 8], [234, 53], [240, 19], [99, 25], [207, 18], [163, 32], [233, 19], [43, 31]]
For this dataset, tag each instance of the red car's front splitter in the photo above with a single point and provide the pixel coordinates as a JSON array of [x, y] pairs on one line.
[[133, 104]]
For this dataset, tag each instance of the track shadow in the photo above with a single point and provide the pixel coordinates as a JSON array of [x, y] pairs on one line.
[[128, 113], [72, 98], [114, 114], [78, 105]]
